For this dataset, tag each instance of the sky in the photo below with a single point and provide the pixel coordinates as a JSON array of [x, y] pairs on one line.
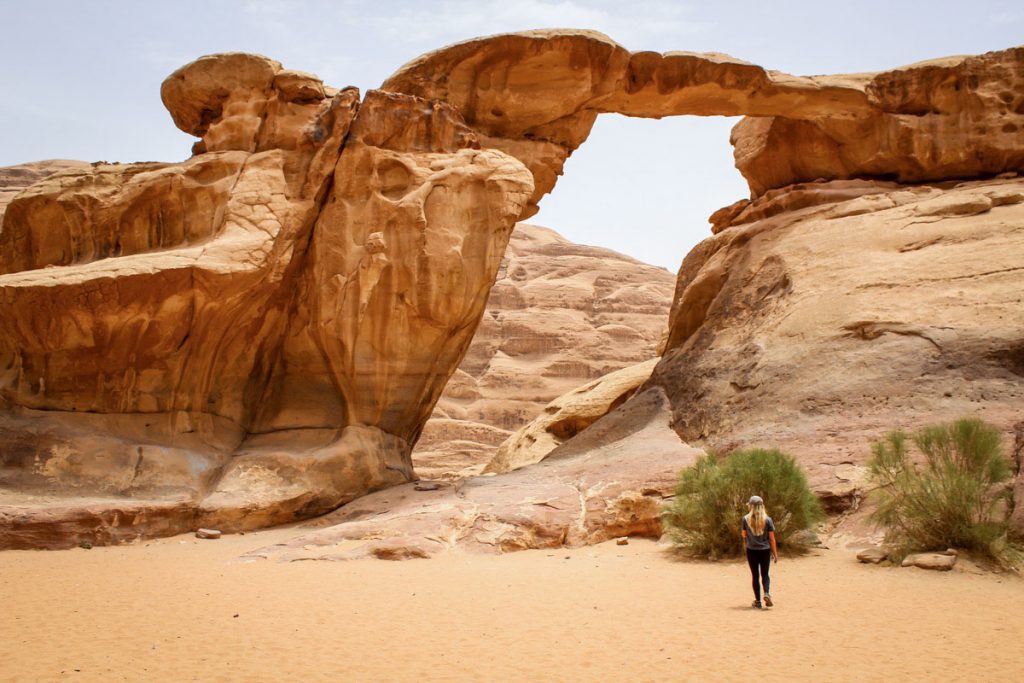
[[82, 80]]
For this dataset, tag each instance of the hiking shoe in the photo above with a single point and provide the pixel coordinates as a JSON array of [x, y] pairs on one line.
[[768, 601], [756, 604]]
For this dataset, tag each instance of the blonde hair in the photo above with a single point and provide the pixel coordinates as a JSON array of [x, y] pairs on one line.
[[757, 518]]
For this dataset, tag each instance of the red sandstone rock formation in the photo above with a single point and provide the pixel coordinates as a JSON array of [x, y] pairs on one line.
[[606, 483], [258, 334], [818, 329], [779, 339], [14, 179], [559, 316]]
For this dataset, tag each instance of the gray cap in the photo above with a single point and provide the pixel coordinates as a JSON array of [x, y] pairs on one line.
[[754, 500]]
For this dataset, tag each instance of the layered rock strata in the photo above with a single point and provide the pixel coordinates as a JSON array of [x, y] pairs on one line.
[[559, 316]]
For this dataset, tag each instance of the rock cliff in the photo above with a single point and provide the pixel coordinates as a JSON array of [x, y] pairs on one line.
[[259, 334], [559, 316], [819, 328], [256, 334]]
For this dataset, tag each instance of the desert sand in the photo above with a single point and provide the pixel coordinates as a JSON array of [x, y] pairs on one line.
[[186, 609]]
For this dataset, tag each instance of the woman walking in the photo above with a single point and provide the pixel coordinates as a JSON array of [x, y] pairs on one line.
[[758, 531]]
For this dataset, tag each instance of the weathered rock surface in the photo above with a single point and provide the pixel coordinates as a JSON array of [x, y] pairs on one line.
[[873, 555], [802, 325], [942, 562], [14, 179], [536, 94], [29, 521], [260, 332], [559, 316], [1017, 454], [601, 490], [817, 330], [567, 416]]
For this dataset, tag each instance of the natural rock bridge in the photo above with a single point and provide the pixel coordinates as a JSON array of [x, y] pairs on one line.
[[259, 333]]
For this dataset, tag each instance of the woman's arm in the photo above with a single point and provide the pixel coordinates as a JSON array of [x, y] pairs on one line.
[[771, 540]]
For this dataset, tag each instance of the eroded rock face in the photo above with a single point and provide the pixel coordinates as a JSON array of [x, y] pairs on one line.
[[819, 329], [610, 485], [14, 179], [559, 316], [235, 331], [957, 117], [567, 416], [1017, 454]]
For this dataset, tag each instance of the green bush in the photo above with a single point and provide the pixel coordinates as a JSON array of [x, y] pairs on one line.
[[953, 498], [711, 498]]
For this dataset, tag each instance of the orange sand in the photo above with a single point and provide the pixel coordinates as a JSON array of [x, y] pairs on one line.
[[182, 609]]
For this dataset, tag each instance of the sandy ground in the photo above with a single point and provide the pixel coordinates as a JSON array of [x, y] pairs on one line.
[[182, 609]]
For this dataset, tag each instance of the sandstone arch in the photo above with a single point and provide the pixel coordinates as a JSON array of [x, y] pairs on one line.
[[535, 95], [257, 334]]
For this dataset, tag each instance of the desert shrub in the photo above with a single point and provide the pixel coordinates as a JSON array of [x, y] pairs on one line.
[[711, 497], [953, 497]]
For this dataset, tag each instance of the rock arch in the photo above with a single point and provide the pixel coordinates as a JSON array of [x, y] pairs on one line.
[[258, 334], [535, 95]]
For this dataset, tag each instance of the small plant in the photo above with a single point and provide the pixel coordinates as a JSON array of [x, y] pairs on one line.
[[954, 498], [710, 499]]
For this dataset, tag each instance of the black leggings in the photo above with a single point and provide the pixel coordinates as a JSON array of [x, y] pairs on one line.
[[760, 560]]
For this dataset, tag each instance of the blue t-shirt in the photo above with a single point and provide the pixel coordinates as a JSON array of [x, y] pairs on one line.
[[755, 542]]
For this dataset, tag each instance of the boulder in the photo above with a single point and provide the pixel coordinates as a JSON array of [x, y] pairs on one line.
[[568, 415], [935, 561], [874, 555]]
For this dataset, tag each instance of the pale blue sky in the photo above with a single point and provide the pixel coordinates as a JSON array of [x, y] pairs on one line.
[[81, 80]]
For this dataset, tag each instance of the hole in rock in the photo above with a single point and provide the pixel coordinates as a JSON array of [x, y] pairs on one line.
[[565, 312], [645, 187]]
